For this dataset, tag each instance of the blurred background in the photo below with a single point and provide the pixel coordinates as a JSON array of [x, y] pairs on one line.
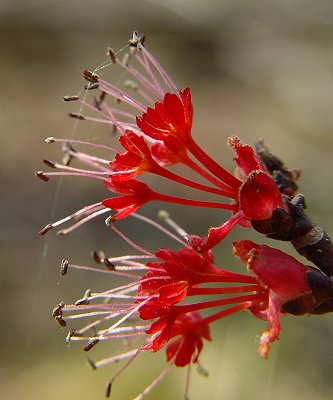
[[257, 69]]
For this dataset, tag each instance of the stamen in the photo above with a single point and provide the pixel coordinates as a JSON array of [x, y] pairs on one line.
[[90, 344], [64, 267], [71, 98], [60, 321], [109, 264], [79, 116], [90, 160], [124, 367], [154, 88], [90, 76], [125, 317], [165, 216], [95, 256], [188, 379], [68, 154], [126, 59], [91, 86], [69, 336], [166, 78], [88, 209], [155, 382], [41, 175], [160, 227], [129, 241], [67, 168], [58, 309], [114, 359], [46, 229], [105, 271], [202, 370], [85, 299], [107, 391], [91, 363], [99, 102], [52, 139], [137, 39], [111, 54]]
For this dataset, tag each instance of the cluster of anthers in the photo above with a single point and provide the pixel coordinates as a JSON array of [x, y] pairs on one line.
[[161, 307]]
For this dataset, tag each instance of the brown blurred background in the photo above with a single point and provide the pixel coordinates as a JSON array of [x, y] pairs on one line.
[[258, 69]]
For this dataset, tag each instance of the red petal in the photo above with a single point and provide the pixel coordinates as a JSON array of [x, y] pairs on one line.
[[173, 348], [185, 352], [173, 293], [174, 110]]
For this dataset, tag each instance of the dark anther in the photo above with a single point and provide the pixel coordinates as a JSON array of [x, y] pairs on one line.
[[96, 257], [64, 267], [114, 129], [109, 264], [108, 389], [110, 53], [46, 228], [202, 371], [91, 363], [136, 39], [67, 157], [42, 176], [81, 302], [76, 115], [110, 220], [60, 321], [70, 334], [91, 86], [98, 102], [85, 298], [90, 344], [49, 163], [90, 76], [71, 98], [57, 311]]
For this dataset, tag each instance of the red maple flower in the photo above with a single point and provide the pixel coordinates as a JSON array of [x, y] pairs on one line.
[[161, 302], [170, 117], [292, 287], [136, 194], [155, 135], [187, 343]]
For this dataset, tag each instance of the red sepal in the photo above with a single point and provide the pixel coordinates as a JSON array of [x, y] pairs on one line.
[[259, 196]]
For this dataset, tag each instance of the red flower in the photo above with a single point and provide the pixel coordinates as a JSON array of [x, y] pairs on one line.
[[170, 117], [293, 287], [155, 132], [161, 302], [187, 343], [135, 161], [136, 194], [155, 137]]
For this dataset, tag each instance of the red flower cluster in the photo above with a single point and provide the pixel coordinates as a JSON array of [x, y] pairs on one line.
[[154, 138]]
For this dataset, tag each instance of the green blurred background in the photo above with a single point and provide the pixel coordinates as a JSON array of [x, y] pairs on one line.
[[256, 68]]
